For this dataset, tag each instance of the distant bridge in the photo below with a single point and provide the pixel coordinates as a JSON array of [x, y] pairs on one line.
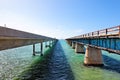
[[11, 38], [106, 39]]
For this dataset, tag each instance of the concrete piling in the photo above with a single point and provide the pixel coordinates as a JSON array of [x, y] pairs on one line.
[[41, 49], [93, 57], [73, 45], [79, 48], [69, 42], [33, 49]]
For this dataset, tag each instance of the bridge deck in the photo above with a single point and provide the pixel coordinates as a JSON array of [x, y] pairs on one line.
[[11, 33], [106, 39], [11, 38]]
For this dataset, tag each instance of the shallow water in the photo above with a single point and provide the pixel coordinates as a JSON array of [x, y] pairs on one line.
[[14, 61], [111, 70], [62, 64]]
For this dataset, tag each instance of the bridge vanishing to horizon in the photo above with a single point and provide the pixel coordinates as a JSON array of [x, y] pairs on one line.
[[91, 43], [11, 38], [106, 39]]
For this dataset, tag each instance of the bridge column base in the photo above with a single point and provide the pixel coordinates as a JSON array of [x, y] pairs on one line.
[[40, 52], [73, 45], [93, 57], [33, 49], [79, 48], [41, 49]]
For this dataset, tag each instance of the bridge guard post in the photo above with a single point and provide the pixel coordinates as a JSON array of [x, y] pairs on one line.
[[79, 48], [73, 45], [33, 49], [93, 57], [41, 48]]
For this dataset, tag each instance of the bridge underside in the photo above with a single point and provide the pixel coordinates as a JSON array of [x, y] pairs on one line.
[[111, 45], [12, 43]]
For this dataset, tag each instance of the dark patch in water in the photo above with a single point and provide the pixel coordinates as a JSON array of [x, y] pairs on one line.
[[111, 64], [59, 68], [54, 66]]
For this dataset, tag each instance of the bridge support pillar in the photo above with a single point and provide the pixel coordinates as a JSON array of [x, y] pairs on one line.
[[79, 48], [73, 45], [41, 49], [93, 57], [69, 42], [46, 44], [52, 43], [49, 43], [33, 49]]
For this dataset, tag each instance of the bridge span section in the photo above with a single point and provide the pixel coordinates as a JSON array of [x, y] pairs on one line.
[[92, 43], [11, 38]]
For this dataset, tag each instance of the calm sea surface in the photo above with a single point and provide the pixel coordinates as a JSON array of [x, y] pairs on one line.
[[61, 64]]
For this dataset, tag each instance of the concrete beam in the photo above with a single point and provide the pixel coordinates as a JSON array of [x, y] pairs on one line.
[[13, 43]]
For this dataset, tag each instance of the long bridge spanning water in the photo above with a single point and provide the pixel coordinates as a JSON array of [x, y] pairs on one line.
[[106, 39], [11, 38], [60, 62]]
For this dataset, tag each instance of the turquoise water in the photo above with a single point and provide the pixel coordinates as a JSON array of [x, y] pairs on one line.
[[62, 64], [92, 73], [14, 61]]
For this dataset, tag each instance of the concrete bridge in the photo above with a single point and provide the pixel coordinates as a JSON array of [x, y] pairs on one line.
[[11, 38], [92, 44]]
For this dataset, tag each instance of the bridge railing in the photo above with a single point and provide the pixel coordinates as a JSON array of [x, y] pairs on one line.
[[114, 31], [107, 39]]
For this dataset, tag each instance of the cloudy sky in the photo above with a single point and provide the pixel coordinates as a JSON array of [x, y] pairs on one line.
[[59, 18]]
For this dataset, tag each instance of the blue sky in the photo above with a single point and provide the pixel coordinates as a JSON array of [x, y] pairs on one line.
[[59, 18]]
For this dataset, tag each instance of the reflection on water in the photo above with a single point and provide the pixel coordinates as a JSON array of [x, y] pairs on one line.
[[112, 62], [61, 64]]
